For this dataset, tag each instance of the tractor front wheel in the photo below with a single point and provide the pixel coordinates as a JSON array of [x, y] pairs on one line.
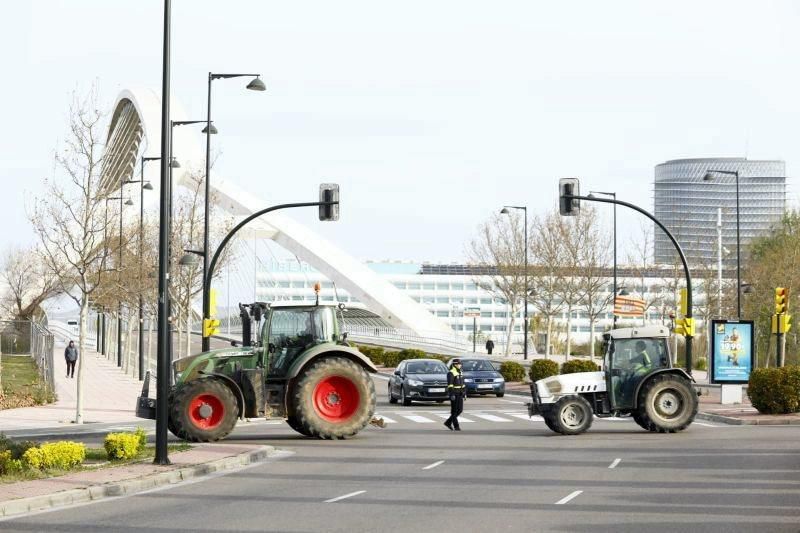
[[203, 410], [333, 399], [571, 415], [294, 423], [667, 403]]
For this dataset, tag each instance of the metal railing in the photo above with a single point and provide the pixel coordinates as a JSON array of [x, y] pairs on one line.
[[24, 337]]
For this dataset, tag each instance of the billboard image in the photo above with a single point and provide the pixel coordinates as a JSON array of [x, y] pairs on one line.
[[732, 351]]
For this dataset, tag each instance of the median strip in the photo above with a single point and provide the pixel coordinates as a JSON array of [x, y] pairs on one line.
[[566, 499], [338, 498], [434, 465], [615, 463]]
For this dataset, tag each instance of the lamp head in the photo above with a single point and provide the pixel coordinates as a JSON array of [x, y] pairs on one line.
[[188, 260], [212, 130], [504, 211], [147, 186], [174, 163], [709, 176], [128, 202], [257, 85]]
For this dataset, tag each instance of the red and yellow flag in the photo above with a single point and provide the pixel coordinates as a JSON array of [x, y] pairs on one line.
[[628, 306]]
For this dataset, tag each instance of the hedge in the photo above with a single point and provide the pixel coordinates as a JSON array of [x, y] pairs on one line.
[[542, 368], [11, 454], [701, 363], [380, 356], [125, 445], [512, 371], [62, 455], [579, 365], [775, 391]]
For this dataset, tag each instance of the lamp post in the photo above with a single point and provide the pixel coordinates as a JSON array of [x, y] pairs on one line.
[[255, 85], [709, 176], [119, 268], [505, 211], [614, 302], [143, 186]]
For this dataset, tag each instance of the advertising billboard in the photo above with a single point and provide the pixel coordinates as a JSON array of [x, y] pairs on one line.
[[732, 351]]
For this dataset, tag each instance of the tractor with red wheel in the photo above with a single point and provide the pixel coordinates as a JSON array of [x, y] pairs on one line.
[[299, 368]]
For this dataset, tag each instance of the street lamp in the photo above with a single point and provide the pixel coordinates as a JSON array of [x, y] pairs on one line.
[[614, 303], [505, 211], [128, 201], [709, 176], [255, 85], [143, 186]]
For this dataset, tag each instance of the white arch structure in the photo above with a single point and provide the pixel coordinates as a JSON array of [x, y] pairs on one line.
[[136, 117]]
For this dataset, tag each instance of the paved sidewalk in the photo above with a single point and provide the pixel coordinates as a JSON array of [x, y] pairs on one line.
[[25, 496], [108, 396]]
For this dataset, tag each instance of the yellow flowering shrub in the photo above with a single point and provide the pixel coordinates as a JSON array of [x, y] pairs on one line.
[[62, 455], [122, 445]]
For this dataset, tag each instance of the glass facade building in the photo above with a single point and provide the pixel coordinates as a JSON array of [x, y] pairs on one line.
[[687, 204]]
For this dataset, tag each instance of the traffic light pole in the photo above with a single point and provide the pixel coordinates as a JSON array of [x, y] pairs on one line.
[[680, 253]]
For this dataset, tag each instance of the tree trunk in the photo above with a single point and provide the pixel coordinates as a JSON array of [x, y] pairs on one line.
[[510, 333], [591, 337], [569, 333], [129, 348], [149, 343], [81, 354], [549, 334], [188, 330]]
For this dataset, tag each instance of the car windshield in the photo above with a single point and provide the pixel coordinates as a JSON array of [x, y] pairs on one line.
[[426, 367], [476, 365]]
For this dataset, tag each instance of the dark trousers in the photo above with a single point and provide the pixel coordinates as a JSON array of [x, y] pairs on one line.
[[71, 368], [456, 407]]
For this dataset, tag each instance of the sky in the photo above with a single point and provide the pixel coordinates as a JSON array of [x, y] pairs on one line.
[[430, 115]]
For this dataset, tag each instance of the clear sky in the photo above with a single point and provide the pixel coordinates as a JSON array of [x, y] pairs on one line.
[[430, 114]]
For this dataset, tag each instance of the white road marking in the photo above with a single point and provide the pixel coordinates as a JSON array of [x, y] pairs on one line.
[[566, 499], [378, 376], [705, 425], [512, 401], [523, 416], [613, 419], [434, 465], [491, 418], [356, 493], [445, 416], [386, 419], [418, 419], [615, 463]]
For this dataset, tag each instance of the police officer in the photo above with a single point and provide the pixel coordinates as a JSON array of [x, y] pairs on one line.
[[457, 391]]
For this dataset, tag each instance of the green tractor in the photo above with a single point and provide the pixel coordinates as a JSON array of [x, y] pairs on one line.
[[300, 368]]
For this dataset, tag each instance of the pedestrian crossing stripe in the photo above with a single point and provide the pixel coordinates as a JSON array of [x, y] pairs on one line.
[[490, 418], [445, 416], [418, 419]]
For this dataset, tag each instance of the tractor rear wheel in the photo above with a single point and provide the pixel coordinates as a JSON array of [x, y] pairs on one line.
[[294, 423], [642, 424], [203, 410], [334, 399], [571, 415], [170, 424], [667, 403]]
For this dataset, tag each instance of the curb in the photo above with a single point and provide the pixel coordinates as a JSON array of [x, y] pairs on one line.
[[131, 486], [710, 417]]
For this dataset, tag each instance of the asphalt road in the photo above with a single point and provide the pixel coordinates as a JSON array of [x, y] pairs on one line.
[[501, 473]]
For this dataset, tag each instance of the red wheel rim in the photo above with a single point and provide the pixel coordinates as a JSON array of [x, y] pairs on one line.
[[206, 411], [336, 398]]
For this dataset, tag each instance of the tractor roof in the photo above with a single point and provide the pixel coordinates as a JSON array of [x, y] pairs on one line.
[[640, 332]]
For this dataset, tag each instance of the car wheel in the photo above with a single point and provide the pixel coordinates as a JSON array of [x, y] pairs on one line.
[[392, 399], [500, 394], [406, 401]]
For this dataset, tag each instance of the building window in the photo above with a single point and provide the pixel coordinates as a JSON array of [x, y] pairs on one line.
[[400, 284], [413, 286], [442, 313], [284, 284], [500, 314], [471, 301], [428, 300], [486, 314], [442, 300], [472, 287], [457, 286], [442, 286], [486, 301], [298, 284], [428, 286]]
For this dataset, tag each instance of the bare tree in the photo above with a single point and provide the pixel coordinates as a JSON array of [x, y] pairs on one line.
[[69, 219], [29, 283], [500, 243], [548, 256]]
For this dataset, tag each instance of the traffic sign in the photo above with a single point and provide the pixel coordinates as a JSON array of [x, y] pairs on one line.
[[472, 312]]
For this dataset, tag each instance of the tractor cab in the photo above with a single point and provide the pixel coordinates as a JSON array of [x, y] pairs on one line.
[[631, 355]]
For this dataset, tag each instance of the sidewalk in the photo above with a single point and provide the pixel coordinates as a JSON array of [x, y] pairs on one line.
[[108, 396], [83, 486]]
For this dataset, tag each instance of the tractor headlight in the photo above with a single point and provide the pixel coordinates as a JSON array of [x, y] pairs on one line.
[[554, 387]]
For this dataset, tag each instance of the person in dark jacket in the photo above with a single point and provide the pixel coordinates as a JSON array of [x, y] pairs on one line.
[[457, 391], [489, 346], [71, 356]]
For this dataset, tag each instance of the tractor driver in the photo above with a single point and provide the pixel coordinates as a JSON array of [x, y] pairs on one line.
[[641, 362]]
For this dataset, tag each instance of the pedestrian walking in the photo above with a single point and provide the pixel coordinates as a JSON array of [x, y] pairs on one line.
[[489, 345], [71, 356], [458, 393]]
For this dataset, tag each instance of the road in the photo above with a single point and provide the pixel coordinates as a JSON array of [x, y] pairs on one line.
[[502, 472]]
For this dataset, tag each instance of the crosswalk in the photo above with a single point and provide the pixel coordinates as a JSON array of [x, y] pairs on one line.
[[429, 417]]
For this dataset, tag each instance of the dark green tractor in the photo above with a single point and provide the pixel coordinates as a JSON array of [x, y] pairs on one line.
[[299, 368]]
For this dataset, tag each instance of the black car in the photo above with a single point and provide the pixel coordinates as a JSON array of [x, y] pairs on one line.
[[481, 377], [418, 380]]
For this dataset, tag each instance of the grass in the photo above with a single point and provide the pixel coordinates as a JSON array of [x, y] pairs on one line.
[[22, 385], [95, 458]]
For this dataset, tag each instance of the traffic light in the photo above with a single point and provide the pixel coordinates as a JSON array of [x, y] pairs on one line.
[[569, 207], [682, 302], [786, 322], [210, 327], [781, 300], [329, 192]]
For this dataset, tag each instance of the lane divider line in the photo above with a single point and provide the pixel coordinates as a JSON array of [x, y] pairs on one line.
[[338, 498], [615, 463], [566, 499], [434, 465]]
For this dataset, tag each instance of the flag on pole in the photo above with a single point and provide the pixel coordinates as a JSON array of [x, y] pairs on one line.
[[628, 306]]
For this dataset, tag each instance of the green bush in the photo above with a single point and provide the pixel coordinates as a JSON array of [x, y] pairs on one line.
[[579, 365], [775, 390], [412, 353], [62, 455], [121, 446], [374, 353], [142, 436], [512, 371], [542, 368], [701, 363]]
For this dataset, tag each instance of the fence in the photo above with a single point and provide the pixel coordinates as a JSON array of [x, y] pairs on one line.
[[22, 337]]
